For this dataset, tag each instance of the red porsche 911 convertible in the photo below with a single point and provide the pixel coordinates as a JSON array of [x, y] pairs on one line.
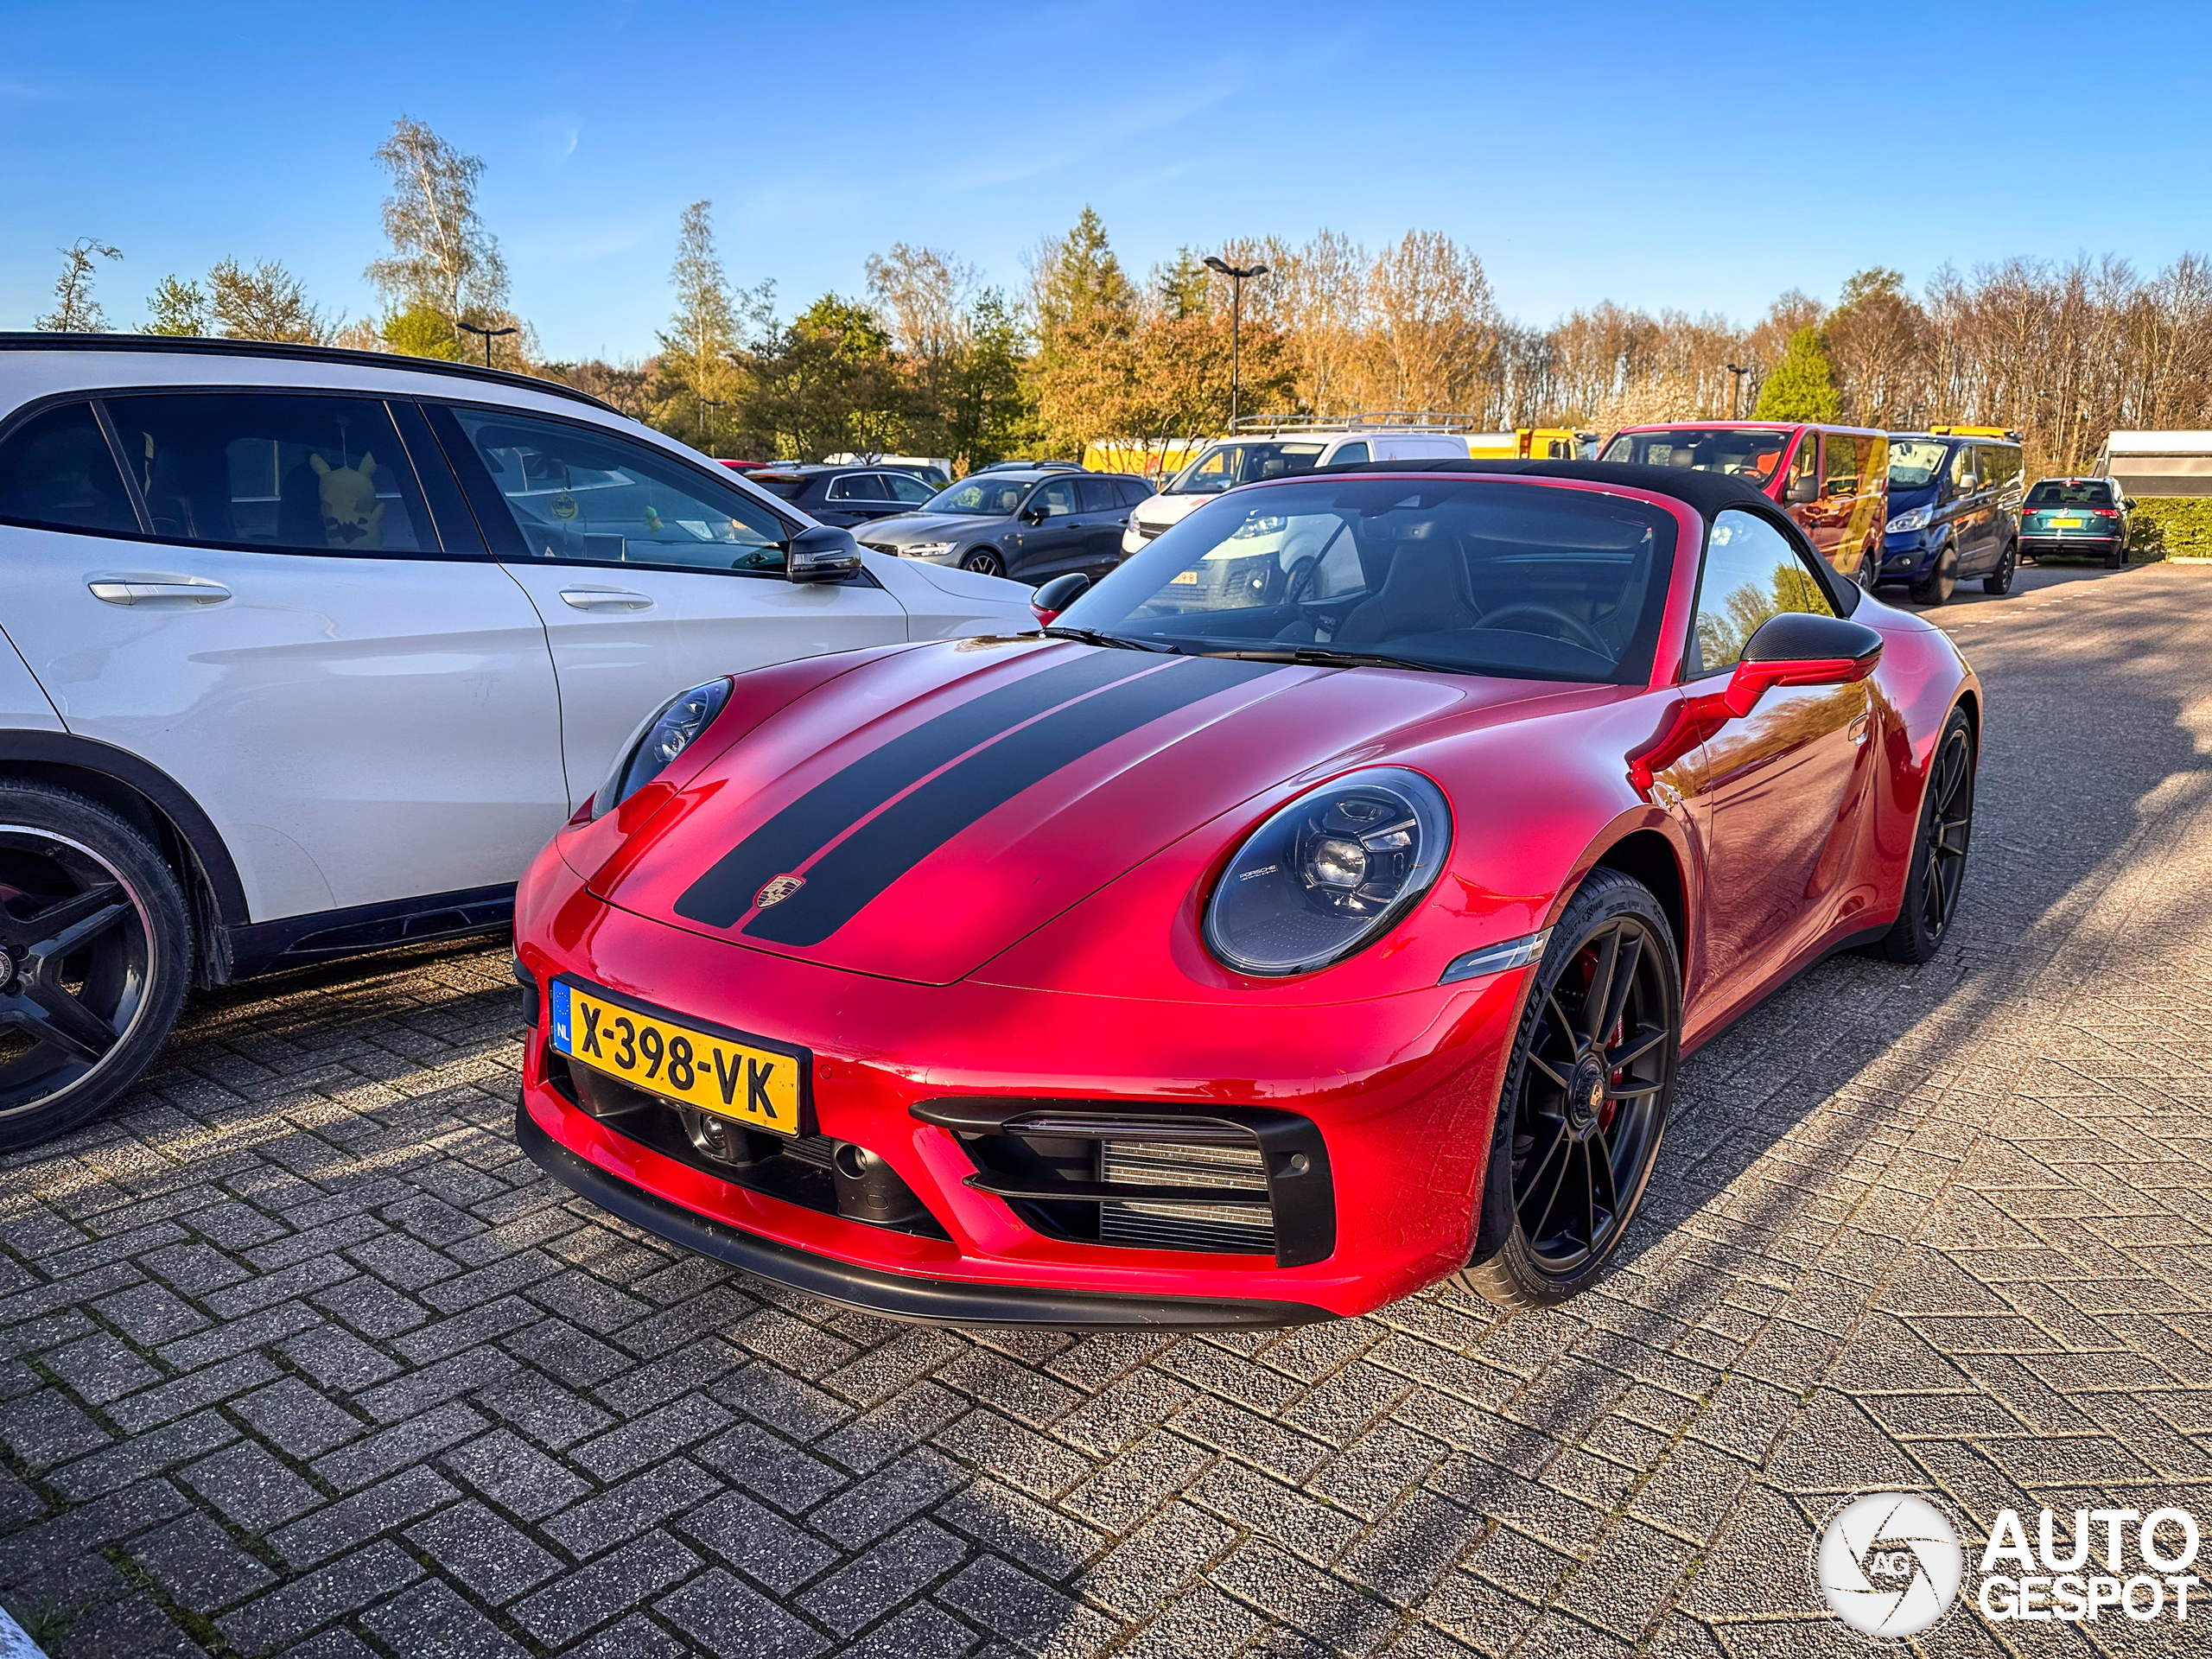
[[1317, 907]]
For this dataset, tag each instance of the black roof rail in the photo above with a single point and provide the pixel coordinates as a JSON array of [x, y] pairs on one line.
[[190, 345]]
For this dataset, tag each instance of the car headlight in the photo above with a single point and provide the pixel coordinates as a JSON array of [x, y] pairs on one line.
[[1916, 519], [1329, 874], [664, 733], [926, 549]]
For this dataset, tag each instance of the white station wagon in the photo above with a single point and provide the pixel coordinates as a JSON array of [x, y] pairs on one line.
[[307, 652]]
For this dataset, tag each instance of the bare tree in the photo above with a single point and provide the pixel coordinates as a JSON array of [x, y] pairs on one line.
[[75, 311], [1435, 334], [442, 257], [925, 294]]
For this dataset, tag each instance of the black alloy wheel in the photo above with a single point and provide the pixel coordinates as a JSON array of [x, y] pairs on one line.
[[1870, 569], [1939, 853], [984, 563], [94, 957], [2117, 558], [1999, 581], [1941, 579], [1584, 1100]]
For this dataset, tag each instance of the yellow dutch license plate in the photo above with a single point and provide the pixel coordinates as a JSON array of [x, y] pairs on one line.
[[2066, 524], [747, 1081]]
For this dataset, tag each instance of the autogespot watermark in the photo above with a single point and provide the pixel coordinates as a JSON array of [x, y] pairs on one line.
[[1890, 1565]]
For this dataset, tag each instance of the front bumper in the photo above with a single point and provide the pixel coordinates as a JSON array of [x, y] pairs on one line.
[[1906, 557], [892, 1295], [1401, 1088]]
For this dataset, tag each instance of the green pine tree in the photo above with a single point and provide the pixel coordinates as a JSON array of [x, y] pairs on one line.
[[1801, 388]]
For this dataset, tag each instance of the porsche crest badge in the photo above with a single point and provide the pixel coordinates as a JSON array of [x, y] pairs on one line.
[[779, 889]]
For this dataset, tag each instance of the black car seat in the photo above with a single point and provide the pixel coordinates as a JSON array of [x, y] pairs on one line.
[[299, 510], [188, 494], [1425, 592]]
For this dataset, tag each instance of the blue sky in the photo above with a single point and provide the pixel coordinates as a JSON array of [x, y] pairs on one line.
[[1705, 156]]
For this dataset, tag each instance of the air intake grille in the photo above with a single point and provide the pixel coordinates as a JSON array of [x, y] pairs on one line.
[[1184, 1226]]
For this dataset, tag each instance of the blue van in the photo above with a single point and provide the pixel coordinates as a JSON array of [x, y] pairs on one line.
[[1955, 511]]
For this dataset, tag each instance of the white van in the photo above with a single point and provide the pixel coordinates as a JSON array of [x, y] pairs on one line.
[[1267, 448]]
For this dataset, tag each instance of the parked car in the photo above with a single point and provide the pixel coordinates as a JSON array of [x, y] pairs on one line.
[[1266, 449], [1257, 963], [936, 471], [1833, 481], [309, 650], [2086, 516], [846, 495], [1029, 522], [1955, 513]]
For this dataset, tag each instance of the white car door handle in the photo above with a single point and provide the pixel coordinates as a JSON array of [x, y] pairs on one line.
[[606, 598], [146, 590]]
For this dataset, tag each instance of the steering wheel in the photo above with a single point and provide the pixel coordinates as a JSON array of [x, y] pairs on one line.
[[1569, 629]]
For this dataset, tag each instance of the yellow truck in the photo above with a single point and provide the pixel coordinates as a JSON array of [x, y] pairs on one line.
[[1532, 443]]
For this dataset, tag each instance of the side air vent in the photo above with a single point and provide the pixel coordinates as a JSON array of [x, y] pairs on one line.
[[1243, 1180], [1244, 1222]]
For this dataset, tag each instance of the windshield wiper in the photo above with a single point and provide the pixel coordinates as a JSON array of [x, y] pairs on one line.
[[1327, 656], [1092, 636]]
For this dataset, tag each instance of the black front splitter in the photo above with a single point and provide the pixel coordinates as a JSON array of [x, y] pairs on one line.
[[891, 1295]]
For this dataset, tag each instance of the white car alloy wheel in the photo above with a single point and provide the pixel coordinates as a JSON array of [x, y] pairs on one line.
[[96, 957]]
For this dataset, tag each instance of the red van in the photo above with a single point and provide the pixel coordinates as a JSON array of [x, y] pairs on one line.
[[1833, 480]]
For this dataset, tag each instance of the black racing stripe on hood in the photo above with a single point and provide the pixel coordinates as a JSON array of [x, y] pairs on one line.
[[802, 828], [852, 873]]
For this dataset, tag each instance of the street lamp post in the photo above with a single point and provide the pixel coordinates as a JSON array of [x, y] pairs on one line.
[[489, 334], [1735, 387], [1236, 279]]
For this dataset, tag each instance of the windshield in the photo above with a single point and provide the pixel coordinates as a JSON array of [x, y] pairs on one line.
[[1226, 465], [985, 496], [1915, 463], [2071, 492], [1747, 453], [1526, 581]]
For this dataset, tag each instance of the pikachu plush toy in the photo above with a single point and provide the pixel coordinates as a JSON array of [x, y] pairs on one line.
[[353, 517]]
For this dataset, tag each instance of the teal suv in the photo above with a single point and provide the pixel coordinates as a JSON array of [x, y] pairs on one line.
[[2086, 516]]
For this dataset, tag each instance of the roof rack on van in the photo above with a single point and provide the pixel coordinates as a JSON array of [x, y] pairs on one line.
[[2003, 432], [23, 341], [1395, 420]]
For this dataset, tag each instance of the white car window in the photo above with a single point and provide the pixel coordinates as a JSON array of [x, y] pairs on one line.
[[301, 474], [595, 496]]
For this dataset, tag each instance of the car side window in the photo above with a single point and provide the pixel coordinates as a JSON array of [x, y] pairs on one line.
[[1803, 467], [596, 497], [57, 472], [1844, 468], [1055, 499], [858, 486], [1999, 466], [1098, 495], [290, 474], [1350, 453], [906, 487], [1133, 491], [1750, 573]]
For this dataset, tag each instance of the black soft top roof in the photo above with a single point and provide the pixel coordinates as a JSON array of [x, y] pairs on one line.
[[1708, 492]]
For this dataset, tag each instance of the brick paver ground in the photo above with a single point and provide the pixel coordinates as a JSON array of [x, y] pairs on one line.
[[298, 1355]]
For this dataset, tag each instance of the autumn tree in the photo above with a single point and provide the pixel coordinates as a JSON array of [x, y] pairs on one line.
[[178, 308], [444, 267], [1085, 309], [264, 301], [825, 384], [75, 311], [699, 370]]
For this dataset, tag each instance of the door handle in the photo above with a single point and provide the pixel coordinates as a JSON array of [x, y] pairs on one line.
[[146, 590], [605, 598]]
